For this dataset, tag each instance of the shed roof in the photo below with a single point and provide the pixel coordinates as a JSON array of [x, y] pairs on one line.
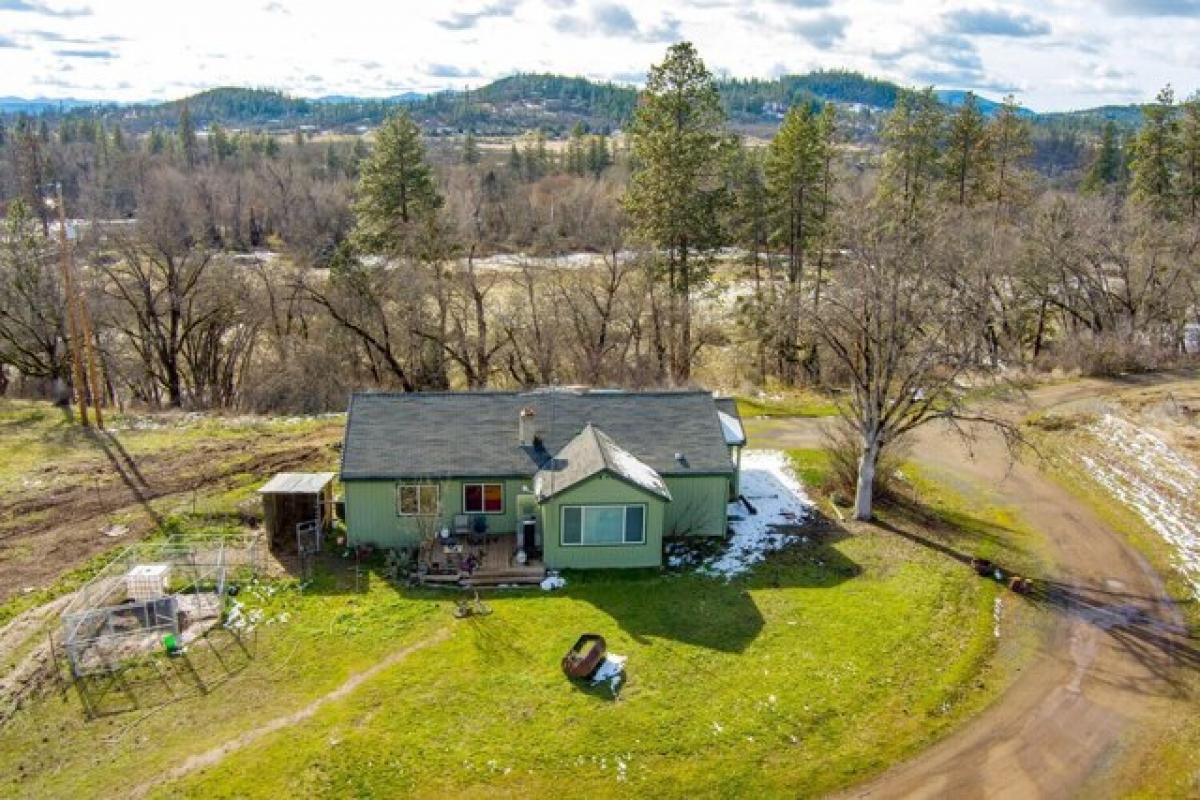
[[593, 451], [475, 434], [298, 483]]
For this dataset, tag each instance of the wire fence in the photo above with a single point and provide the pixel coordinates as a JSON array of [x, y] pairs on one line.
[[154, 596]]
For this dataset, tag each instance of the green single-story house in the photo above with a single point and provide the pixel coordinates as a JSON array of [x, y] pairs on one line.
[[576, 478]]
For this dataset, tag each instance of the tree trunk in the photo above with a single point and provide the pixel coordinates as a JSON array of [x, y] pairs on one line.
[[864, 495], [684, 372], [174, 384]]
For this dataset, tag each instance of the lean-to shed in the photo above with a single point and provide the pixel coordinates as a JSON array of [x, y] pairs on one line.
[[290, 498]]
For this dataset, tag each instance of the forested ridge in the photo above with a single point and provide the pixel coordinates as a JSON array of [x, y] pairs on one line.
[[241, 269], [517, 102]]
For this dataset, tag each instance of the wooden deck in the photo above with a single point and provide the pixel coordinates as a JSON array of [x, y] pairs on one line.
[[494, 564]]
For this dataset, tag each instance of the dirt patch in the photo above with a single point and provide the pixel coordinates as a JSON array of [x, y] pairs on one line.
[[25, 664], [44, 533]]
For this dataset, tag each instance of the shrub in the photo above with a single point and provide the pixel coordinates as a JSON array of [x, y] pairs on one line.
[[842, 444]]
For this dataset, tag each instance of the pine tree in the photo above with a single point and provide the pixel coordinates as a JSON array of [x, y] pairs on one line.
[[514, 161], [359, 152], [798, 201], [676, 195], [1105, 169], [333, 161], [534, 158], [912, 136], [1010, 143], [967, 156], [1154, 154], [575, 156], [396, 191], [156, 142], [470, 151], [599, 158], [1189, 161], [794, 179], [187, 136], [219, 146], [749, 227]]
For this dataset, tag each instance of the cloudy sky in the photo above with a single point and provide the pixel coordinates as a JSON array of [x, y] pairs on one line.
[[1052, 54]]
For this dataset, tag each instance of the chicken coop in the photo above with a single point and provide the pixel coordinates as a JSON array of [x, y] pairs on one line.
[[127, 633], [149, 590]]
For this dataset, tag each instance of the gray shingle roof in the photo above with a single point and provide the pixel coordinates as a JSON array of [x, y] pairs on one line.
[[590, 452], [474, 434]]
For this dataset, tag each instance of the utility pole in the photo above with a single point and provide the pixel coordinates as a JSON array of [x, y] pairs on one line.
[[74, 343], [79, 326]]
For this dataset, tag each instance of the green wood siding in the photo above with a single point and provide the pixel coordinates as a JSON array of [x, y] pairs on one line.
[[698, 508], [698, 505], [371, 510], [597, 490]]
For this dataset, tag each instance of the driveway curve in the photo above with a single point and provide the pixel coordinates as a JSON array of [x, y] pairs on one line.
[[1111, 662]]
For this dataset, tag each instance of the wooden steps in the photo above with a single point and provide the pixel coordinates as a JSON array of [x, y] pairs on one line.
[[522, 576], [484, 581]]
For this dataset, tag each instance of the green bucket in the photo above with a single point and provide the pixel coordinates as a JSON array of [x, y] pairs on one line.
[[170, 643]]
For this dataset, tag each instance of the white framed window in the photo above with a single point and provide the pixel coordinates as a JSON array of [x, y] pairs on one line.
[[483, 498], [418, 499], [603, 525]]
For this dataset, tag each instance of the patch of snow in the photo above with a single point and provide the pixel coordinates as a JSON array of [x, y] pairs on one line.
[[997, 611], [552, 582], [768, 482], [679, 557], [610, 671], [637, 471], [732, 428], [1144, 473]]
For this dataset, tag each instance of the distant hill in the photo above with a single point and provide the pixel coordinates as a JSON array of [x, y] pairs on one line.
[[406, 97], [554, 103], [955, 98], [1127, 117], [39, 105], [234, 103]]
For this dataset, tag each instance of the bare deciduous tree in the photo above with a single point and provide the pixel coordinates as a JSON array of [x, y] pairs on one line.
[[893, 322]]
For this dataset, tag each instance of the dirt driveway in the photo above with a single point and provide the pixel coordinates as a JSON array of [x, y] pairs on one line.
[[1111, 663]]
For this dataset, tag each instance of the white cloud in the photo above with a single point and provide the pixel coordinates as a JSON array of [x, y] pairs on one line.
[[152, 49]]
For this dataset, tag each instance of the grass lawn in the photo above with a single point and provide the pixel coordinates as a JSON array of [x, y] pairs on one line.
[[794, 403], [833, 660]]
